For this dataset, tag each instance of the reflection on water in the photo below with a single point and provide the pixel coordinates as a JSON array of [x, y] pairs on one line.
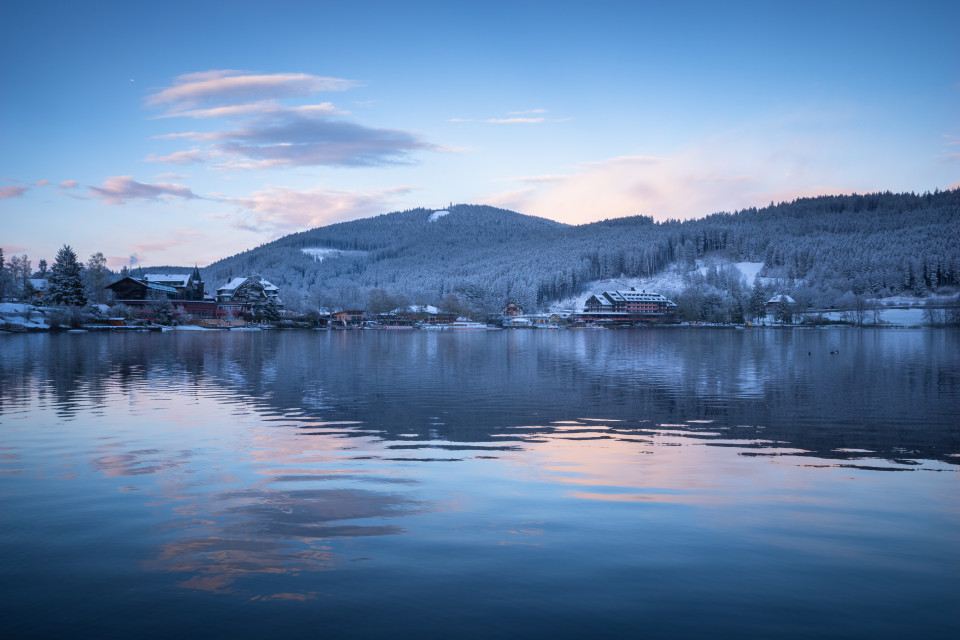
[[525, 482]]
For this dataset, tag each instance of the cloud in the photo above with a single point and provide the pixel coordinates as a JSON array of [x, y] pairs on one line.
[[294, 140], [192, 156], [515, 120], [282, 209], [41, 183], [723, 173], [170, 176], [530, 116], [264, 133], [235, 87], [118, 190], [12, 192], [258, 109], [179, 239]]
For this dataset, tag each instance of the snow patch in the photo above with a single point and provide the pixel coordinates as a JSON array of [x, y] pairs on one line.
[[320, 254], [436, 215], [749, 270]]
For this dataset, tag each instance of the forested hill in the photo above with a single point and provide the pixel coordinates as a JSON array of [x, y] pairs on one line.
[[876, 244]]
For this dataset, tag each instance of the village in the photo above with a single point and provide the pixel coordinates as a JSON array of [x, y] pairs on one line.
[[180, 300]]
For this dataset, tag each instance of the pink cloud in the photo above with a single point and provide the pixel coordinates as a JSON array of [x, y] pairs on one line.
[[721, 174], [267, 134], [234, 87], [193, 156], [118, 190], [12, 192], [282, 209], [41, 183], [257, 109]]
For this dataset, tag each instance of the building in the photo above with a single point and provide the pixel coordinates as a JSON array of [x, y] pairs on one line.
[[780, 308], [188, 286], [39, 287], [511, 310], [243, 295], [349, 318], [628, 306], [185, 291]]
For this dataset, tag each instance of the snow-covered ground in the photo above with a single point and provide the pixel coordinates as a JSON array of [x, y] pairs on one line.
[[668, 282], [899, 317], [436, 215], [24, 315], [320, 254]]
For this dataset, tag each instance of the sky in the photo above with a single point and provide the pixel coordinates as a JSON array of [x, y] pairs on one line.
[[179, 133]]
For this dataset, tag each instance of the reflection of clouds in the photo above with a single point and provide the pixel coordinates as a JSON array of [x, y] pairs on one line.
[[647, 463], [137, 463], [264, 531]]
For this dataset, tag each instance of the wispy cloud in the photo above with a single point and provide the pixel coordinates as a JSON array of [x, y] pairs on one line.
[[12, 192], [529, 116], [269, 107], [179, 240], [191, 156], [119, 190], [263, 133], [236, 87], [278, 209], [69, 184], [515, 120]]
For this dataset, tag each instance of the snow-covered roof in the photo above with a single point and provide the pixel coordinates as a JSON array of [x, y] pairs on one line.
[[173, 279], [159, 287], [634, 296], [423, 308], [39, 283], [781, 297], [236, 282]]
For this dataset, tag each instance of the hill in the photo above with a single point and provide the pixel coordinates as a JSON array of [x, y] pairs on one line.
[[819, 248]]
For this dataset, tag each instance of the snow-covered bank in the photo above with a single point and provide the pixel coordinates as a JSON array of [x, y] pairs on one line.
[[23, 317]]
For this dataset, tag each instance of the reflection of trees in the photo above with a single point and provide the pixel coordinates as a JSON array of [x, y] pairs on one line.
[[889, 392]]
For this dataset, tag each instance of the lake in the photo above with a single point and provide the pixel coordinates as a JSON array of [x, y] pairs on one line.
[[658, 483]]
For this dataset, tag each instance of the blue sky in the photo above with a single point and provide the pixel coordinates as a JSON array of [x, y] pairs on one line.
[[183, 132]]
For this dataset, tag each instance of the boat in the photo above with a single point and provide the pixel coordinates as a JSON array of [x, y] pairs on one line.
[[467, 325]]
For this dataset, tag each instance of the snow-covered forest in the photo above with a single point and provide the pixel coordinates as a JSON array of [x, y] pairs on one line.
[[829, 251], [817, 249]]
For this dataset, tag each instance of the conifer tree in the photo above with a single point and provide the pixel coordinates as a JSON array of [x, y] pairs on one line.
[[66, 280]]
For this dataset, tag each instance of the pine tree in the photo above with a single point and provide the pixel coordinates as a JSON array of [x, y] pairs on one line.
[[4, 277], [270, 310], [66, 280]]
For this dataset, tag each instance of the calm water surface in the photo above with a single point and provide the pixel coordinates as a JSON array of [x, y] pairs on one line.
[[563, 484]]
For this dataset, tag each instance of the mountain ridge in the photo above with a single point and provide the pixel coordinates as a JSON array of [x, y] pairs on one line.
[[876, 244]]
